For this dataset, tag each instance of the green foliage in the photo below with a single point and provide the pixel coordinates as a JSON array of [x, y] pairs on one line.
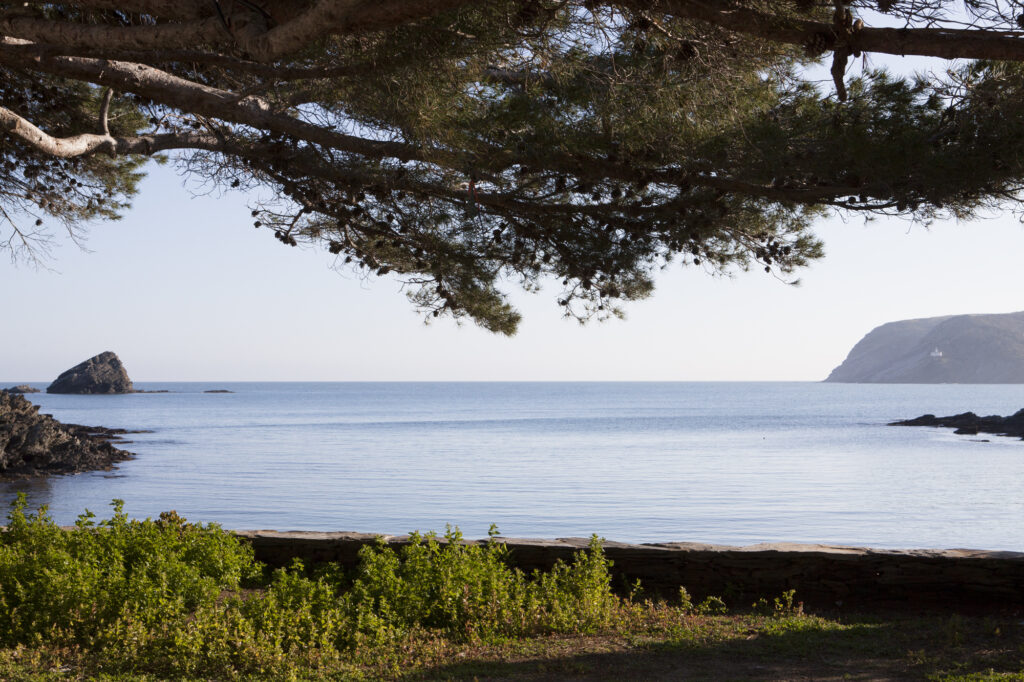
[[782, 606], [68, 586], [685, 600], [575, 142], [511, 143], [469, 591], [711, 606], [144, 600], [70, 192], [168, 597]]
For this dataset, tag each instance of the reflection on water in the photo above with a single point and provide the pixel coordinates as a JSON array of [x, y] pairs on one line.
[[38, 492], [34, 488], [707, 462]]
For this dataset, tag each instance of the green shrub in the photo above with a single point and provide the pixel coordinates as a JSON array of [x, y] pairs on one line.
[[470, 592], [711, 606], [66, 586], [163, 597]]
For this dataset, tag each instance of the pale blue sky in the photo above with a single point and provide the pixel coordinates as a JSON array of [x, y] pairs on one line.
[[185, 289]]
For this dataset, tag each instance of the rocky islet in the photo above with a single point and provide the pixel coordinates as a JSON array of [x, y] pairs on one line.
[[102, 374]]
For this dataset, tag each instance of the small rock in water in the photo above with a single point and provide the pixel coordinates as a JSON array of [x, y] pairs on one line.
[[21, 388]]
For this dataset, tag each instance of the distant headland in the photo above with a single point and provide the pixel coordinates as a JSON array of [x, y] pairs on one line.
[[955, 349]]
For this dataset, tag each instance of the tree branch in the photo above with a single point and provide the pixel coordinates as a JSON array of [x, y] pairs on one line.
[[103, 37], [746, 21], [105, 112], [925, 42], [298, 24], [167, 9], [162, 56], [88, 143], [64, 148], [840, 57], [196, 98], [341, 17], [83, 145]]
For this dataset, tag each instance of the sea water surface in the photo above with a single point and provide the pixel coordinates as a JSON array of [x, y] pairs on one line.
[[733, 463]]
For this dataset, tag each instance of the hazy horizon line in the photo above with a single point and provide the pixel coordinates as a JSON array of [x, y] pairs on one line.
[[10, 383]]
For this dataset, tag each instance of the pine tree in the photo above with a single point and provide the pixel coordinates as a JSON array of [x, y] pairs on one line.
[[466, 145]]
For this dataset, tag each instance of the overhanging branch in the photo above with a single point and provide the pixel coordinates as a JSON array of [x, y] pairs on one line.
[[196, 98], [972, 43], [66, 35], [341, 17], [276, 72], [169, 9], [88, 143]]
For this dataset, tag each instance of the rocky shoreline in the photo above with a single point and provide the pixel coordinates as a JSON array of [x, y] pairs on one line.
[[971, 424], [34, 444]]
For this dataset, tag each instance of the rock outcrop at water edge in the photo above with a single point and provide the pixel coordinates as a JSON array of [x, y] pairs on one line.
[[971, 424], [33, 444], [21, 388], [101, 374]]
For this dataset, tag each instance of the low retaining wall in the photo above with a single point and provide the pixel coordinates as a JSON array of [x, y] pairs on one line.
[[822, 575]]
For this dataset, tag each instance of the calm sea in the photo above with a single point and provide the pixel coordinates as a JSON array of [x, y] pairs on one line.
[[734, 463]]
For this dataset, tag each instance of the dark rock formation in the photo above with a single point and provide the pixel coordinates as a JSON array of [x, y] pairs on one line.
[[103, 373], [960, 349], [970, 424], [218, 390], [21, 388], [33, 444]]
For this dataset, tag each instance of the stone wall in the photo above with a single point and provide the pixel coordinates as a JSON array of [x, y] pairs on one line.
[[823, 576]]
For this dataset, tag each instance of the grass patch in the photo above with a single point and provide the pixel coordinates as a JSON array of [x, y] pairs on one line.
[[121, 599]]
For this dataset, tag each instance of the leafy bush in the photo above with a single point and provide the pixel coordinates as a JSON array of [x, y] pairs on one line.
[[469, 591], [66, 586], [165, 597]]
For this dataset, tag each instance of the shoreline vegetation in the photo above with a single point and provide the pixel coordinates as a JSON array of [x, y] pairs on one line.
[[169, 599]]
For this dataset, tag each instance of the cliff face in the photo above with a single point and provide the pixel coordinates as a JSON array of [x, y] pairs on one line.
[[975, 349]]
